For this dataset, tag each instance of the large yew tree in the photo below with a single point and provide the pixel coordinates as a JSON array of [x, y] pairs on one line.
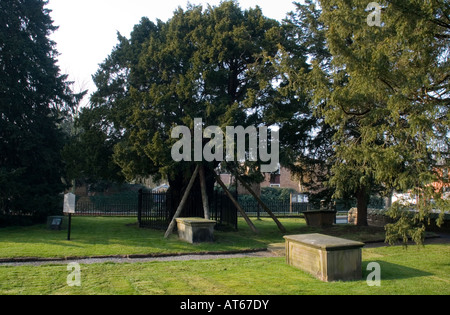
[[214, 63]]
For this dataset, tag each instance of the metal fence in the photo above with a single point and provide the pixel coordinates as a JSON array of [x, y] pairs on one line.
[[107, 206], [156, 210], [153, 210], [278, 207]]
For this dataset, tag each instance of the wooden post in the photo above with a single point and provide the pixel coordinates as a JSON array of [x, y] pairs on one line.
[[291, 207], [140, 196], [261, 203], [70, 226], [182, 203], [228, 193], [205, 200]]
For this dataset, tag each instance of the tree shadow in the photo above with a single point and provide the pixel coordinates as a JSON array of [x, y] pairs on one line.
[[391, 271]]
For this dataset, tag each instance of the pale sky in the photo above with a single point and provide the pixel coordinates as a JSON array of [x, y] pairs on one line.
[[88, 28]]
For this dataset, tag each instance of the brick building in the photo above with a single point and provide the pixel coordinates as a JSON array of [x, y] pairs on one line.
[[281, 179], [284, 179]]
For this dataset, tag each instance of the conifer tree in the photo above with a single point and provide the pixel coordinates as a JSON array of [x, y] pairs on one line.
[[34, 97], [387, 95], [306, 138], [214, 63]]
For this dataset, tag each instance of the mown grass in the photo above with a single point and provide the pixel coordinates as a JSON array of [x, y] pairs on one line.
[[415, 271], [121, 236]]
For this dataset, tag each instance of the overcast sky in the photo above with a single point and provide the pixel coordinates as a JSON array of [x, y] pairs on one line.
[[88, 28]]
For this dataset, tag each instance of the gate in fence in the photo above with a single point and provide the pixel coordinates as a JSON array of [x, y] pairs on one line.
[[156, 210]]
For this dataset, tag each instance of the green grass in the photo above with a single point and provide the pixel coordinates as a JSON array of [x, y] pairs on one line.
[[403, 272], [120, 236], [416, 270]]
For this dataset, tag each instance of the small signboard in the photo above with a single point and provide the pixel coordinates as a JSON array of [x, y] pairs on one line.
[[69, 208], [299, 202], [55, 222], [69, 203], [299, 198]]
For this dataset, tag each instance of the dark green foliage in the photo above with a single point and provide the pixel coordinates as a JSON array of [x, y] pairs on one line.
[[88, 153], [381, 95], [33, 98], [306, 138], [215, 63], [387, 96]]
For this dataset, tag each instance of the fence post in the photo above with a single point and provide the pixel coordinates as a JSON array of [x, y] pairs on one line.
[[140, 207]]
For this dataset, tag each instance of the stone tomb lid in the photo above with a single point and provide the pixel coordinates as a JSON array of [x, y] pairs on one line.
[[189, 221], [324, 242]]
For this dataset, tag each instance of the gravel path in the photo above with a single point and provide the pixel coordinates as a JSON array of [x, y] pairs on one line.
[[276, 252], [187, 257]]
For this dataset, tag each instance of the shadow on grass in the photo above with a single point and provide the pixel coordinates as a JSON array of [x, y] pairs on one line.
[[112, 236], [390, 271]]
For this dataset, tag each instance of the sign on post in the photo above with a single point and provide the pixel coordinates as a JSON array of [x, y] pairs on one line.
[[69, 208], [69, 203], [297, 199]]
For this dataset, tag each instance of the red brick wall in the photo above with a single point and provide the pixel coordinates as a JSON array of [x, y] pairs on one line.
[[287, 180]]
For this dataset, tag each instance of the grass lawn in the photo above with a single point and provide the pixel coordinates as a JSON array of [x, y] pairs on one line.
[[120, 236], [416, 270]]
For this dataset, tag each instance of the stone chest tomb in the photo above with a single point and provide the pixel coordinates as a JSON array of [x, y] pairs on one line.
[[325, 257], [195, 230]]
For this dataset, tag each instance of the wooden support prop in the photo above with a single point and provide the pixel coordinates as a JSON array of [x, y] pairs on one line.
[[227, 192], [182, 203], [261, 203], [205, 200]]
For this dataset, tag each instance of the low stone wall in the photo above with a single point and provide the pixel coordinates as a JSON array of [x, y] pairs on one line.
[[379, 218], [375, 217]]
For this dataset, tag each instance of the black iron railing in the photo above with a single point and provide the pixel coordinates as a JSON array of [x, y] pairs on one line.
[[156, 210]]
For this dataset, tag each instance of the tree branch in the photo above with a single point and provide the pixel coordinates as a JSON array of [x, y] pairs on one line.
[[354, 113]]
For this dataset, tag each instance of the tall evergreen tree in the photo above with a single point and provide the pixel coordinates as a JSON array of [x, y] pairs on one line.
[[306, 138], [387, 95], [213, 63], [34, 97]]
